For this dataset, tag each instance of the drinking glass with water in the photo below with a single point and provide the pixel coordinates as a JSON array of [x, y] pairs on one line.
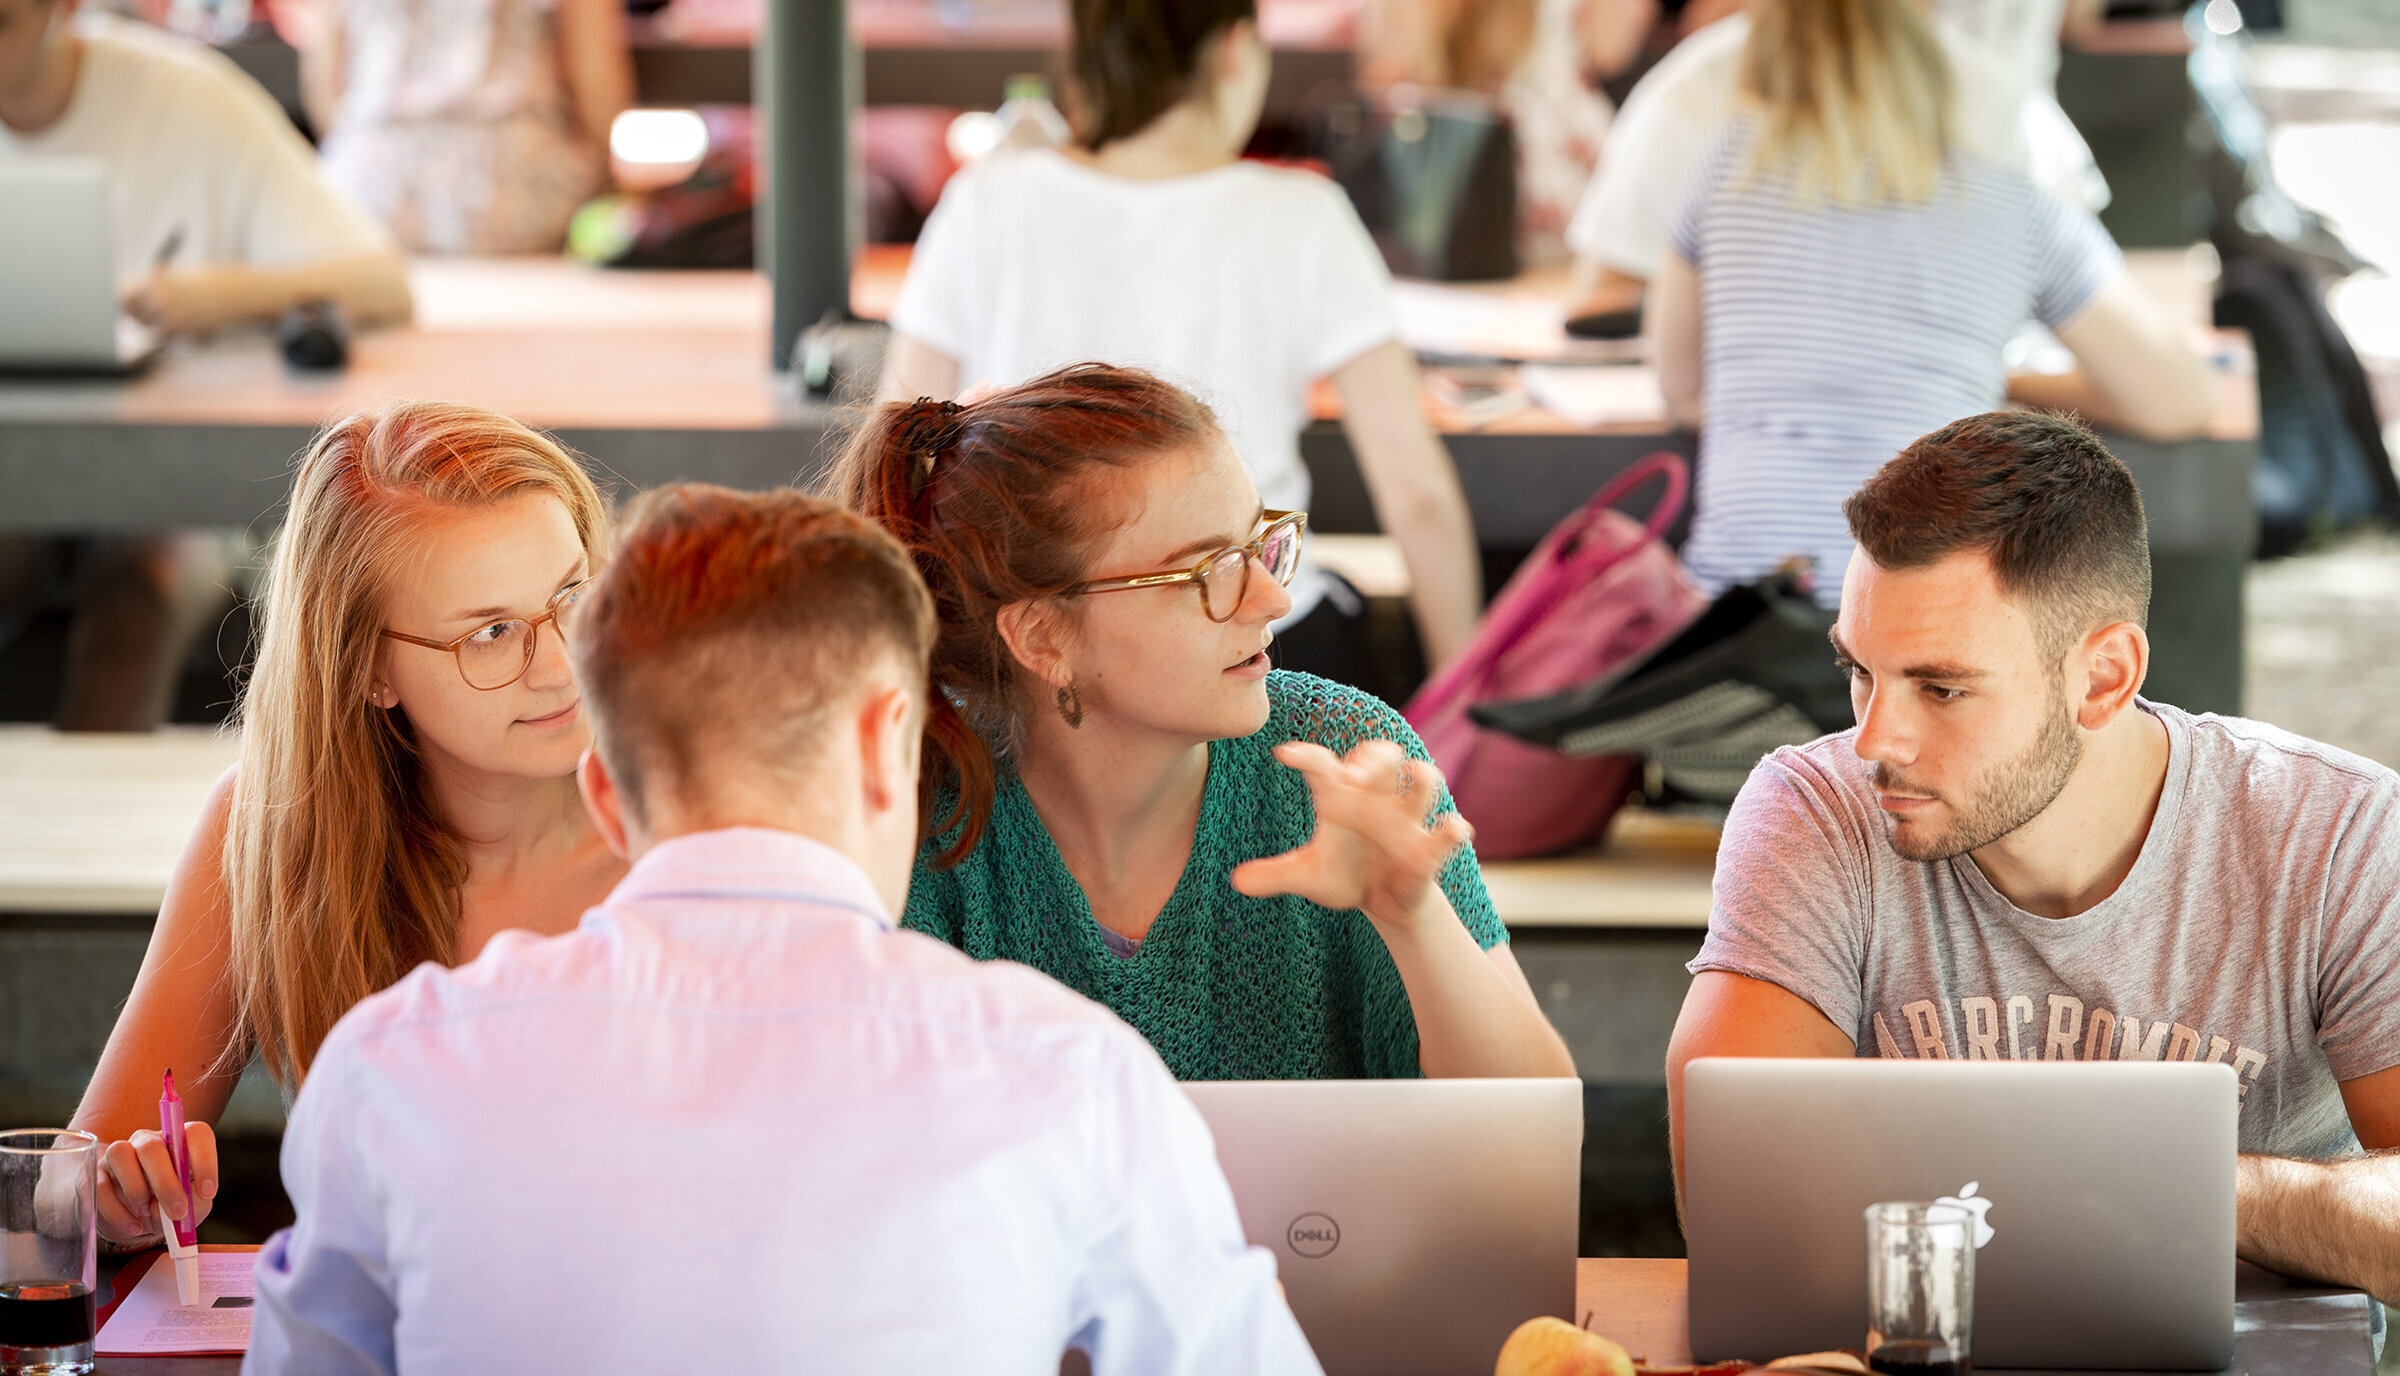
[[1920, 1289], [49, 1250]]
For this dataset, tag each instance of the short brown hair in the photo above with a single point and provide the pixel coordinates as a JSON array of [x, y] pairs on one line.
[[728, 625], [1130, 61], [1004, 501], [2057, 514]]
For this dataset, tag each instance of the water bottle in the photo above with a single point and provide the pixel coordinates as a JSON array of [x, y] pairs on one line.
[[1028, 119]]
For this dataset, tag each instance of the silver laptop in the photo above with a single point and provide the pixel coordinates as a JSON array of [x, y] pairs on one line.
[[1415, 1223], [2106, 1191], [58, 278]]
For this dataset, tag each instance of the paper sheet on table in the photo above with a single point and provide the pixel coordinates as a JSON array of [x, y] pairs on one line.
[[1589, 397], [1459, 322], [150, 1323]]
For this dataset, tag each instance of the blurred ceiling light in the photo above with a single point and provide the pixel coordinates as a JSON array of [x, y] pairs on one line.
[[650, 150], [658, 136], [2222, 17]]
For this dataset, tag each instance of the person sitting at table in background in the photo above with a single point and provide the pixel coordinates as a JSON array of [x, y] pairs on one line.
[[467, 126], [2066, 871], [1844, 277], [220, 218], [1152, 244], [838, 1146], [1536, 59], [2004, 54], [406, 787], [1259, 869]]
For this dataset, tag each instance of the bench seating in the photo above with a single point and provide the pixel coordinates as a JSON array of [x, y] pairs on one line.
[[94, 823], [1652, 872]]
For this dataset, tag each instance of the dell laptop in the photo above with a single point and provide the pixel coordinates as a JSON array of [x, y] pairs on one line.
[[1415, 1223], [2103, 1194], [58, 278]]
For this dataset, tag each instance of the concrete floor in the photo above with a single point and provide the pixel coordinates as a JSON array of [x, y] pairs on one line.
[[2324, 645]]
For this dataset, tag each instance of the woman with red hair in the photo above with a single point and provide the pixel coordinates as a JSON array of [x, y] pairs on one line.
[[1258, 869]]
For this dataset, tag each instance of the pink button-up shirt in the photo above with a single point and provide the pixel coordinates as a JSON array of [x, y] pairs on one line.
[[736, 1122]]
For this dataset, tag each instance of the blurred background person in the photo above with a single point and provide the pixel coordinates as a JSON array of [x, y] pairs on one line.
[[1152, 244], [1845, 276], [220, 218], [1537, 60], [2004, 67], [468, 126]]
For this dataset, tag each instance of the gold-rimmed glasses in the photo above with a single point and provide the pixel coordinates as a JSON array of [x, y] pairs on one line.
[[1224, 576], [497, 653]]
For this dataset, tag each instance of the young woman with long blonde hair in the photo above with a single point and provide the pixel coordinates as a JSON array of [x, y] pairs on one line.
[[1845, 275], [406, 786]]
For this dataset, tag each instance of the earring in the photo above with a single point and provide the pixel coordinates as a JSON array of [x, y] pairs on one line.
[[1070, 706]]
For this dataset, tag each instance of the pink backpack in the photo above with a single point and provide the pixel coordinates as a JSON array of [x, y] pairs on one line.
[[1598, 594]]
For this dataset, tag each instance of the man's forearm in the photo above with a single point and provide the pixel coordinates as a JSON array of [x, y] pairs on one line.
[[2331, 1221]]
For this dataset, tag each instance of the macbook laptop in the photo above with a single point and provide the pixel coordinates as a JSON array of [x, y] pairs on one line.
[[2105, 1192], [1415, 1223], [58, 278]]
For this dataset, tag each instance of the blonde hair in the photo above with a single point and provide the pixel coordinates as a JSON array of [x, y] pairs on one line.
[[1854, 95], [339, 874]]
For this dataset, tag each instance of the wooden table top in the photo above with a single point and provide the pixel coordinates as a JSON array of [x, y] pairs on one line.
[[561, 345], [2281, 1327], [988, 24], [1636, 1302]]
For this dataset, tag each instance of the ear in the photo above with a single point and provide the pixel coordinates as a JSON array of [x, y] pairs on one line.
[[379, 682], [2106, 672], [890, 736], [1036, 636], [604, 802]]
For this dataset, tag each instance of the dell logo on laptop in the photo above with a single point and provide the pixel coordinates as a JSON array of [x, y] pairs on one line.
[[1313, 1235]]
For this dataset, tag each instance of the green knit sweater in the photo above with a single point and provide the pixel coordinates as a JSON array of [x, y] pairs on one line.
[[1227, 987]]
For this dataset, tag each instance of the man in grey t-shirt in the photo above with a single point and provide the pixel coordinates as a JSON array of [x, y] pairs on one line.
[[2013, 856]]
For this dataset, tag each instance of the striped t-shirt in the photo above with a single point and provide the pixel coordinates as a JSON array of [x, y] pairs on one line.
[[1834, 335]]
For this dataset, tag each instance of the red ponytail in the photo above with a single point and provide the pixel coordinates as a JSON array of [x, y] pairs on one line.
[[995, 502]]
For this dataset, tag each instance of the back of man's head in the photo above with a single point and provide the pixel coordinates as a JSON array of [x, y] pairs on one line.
[[2054, 512], [720, 650]]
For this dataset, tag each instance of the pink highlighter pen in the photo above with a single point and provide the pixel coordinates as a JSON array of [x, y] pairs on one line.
[[183, 1244]]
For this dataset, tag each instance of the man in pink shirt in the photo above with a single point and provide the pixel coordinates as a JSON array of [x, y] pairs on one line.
[[737, 1121]]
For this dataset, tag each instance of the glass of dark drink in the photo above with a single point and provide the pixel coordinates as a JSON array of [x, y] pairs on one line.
[[49, 1250], [1920, 1289]]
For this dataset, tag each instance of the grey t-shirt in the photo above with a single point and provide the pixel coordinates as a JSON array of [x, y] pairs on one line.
[[2260, 926]]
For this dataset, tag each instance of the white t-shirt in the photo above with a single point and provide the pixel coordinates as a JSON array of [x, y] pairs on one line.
[[194, 146], [1646, 166], [1242, 285]]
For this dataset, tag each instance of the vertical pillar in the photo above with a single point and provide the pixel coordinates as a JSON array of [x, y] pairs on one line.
[[805, 79]]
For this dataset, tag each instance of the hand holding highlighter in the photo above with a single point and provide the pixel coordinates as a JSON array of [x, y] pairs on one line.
[[183, 1241]]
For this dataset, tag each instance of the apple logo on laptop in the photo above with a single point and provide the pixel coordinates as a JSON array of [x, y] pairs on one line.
[[1313, 1235], [1966, 1199]]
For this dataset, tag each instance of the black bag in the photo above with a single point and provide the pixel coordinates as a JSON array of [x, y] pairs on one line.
[[2322, 464], [1434, 176], [1753, 673]]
